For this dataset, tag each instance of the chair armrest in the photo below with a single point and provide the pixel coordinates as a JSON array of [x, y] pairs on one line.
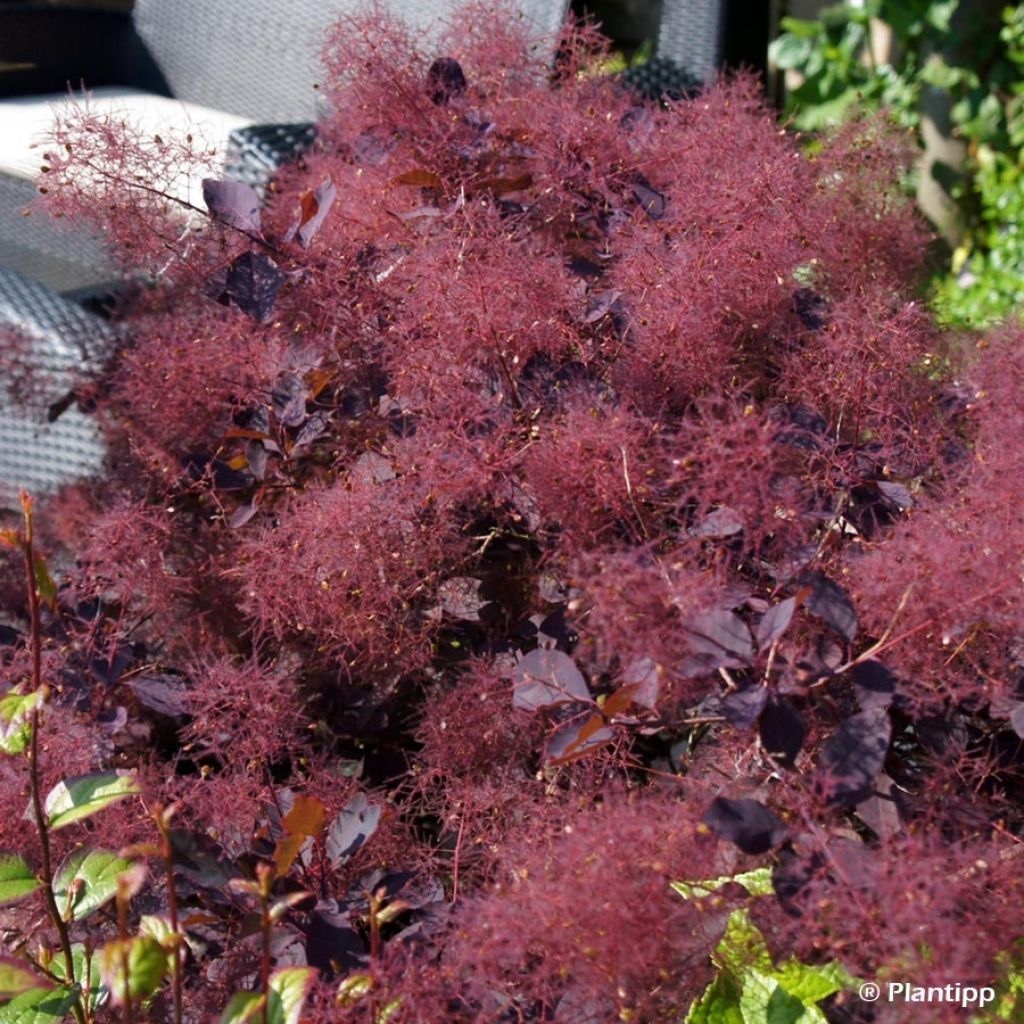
[[45, 49]]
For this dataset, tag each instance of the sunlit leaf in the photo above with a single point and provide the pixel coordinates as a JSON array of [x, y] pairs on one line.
[[287, 849], [419, 177], [281, 906], [85, 795], [132, 968], [45, 586], [17, 879], [16, 720], [351, 829], [289, 987], [158, 926], [86, 972], [314, 205], [574, 739], [17, 976], [306, 817], [242, 1007], [234, 203], [86, 880], [757, 882], [39, 1006]]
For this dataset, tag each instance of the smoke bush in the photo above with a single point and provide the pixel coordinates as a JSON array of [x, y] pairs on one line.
[[569, 496]]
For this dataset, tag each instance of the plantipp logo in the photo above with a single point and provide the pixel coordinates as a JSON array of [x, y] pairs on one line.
[[902, 992]]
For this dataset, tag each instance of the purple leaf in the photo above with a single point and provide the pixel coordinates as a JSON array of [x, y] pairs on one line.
[[369, 148], [854, 755], [316, 426], [644, 675], [165, 694], [654, 202], [775, 622], [1017, 720], [314, 206], [445, 80], [351, 829], [289, 399], [895, 494], [234, 203], [742, 708], [107, 668], [782, 731], [333, 942], [723, 522], [252, 284], [831, 604], [573, 739], [747, 823], [874, 685], [721, 635], [460, 598], [546, 678], [200, 859], [880, 812], [241, 516]]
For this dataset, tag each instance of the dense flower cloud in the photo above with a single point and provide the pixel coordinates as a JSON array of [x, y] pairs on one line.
[[571, 494]]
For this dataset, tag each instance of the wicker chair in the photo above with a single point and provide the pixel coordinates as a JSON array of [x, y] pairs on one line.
[[225, 63], [38, 449]]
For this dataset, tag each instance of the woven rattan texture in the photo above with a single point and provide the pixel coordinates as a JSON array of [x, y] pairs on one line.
[[35, 247], [261, 58], [60, 340], [691, 34]]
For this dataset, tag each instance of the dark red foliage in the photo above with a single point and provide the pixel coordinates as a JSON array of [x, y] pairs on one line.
[[512, 366]]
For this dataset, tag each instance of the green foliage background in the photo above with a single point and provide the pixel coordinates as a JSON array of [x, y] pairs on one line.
[[974, 55]]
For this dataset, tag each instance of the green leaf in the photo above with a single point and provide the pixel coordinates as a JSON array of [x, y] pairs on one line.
[[353, 988], [810, 983], [40, 1006], [147, 964], [158, 927], [84, 968], [86, 880], [242, 1007], [283, 904], [765, 1001], [288, 989], [45, 587], [16, 720], [17, 878], [83, 795], [17, 976], [720, 1003], [804, 28], [790, 51], [757, 882], [742, 948]]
